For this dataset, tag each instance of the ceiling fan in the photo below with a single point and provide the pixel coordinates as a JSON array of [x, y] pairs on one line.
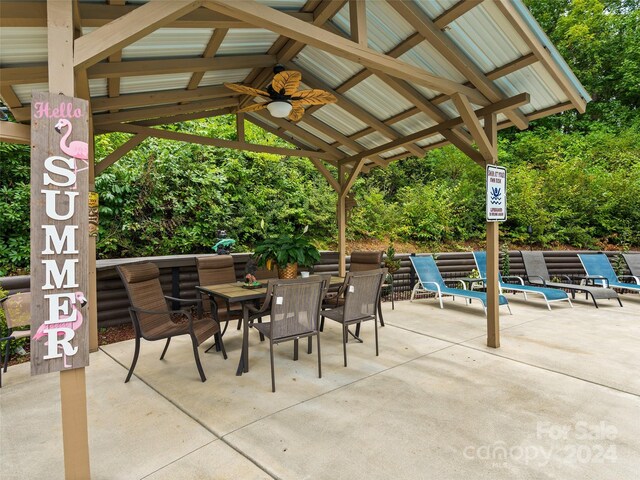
[[284, 98]]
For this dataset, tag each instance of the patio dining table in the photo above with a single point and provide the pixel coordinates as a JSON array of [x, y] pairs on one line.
[[236, 293]]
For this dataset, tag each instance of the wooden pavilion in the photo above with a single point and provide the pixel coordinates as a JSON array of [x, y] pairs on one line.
[[409, 76]]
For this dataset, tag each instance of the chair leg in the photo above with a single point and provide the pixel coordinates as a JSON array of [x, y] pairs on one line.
[[309, 346], [295, 349], [322, 324], [197, 357], [7, 351], [375, 322], [273, 375], [261, 334], [135, 359], [166, 346], [319, 361], [344, 343], [219, 344], [380, 311]]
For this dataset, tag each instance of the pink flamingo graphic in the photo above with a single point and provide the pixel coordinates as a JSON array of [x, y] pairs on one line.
[[76, 149], [75, 325]]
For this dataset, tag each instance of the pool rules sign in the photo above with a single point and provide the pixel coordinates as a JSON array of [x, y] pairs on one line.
[[496, 193], [59, 232]]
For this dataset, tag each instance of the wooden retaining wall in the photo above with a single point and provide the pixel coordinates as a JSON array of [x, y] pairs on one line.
[[178, 275]]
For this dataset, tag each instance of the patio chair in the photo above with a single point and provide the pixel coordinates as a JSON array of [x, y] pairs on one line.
[[430, 280], [633, 262], [600, 272], [361, 261], [549, 294], [294, 310], [214, 270], [361, 300], [152, 318], [537, 274], [17, 313]]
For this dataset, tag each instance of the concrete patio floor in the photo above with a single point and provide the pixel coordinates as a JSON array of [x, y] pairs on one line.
[[560, 399]]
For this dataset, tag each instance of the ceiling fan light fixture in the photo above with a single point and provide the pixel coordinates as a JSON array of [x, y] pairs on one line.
[[279, 109]]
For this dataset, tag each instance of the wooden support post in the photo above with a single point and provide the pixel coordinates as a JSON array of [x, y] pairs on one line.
[[493, 317], [73, 389], [342, 224], [493, 250]]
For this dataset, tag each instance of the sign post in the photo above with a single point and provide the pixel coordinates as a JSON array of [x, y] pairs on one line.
[[496, 193]]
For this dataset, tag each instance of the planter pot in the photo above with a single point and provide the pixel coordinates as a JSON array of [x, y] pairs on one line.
[[290, 271]]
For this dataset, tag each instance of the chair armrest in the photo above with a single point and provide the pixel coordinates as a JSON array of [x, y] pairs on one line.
[[633, 277], [183, 300], [511, 277], [596, 277], [567, 277], [544, 282]]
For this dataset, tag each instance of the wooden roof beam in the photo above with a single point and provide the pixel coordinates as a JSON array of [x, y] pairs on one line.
[[119, 152], [271, 19], [473, 124], [419, 20], [114, 36], [163, 111], [213, 142], [184, 117], [33, 14]]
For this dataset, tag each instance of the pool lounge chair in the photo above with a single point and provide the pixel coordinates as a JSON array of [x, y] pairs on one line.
[[600, 272], [537, 274], [549, 294], [633, 262], [430, 280]]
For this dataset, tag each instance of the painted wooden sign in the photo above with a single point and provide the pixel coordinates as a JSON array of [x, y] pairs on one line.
[[59, 233]]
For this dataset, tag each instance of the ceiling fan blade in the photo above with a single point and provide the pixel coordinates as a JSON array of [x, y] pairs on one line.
[[254, 107], [296, 113], [314, 97], [246, 90], [286, 82]]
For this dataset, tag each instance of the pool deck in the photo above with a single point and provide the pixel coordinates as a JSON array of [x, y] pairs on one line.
[[560, 399]]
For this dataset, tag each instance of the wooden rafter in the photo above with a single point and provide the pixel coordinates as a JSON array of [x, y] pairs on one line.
[[11, 132], [542, 54], [358, 18], [355, 110], [454, 12], [502, 105], [240, 127], [209, 52], [266, 17], [113, 84], [285, 49], [419, 20], [303, 134], [114, 36]]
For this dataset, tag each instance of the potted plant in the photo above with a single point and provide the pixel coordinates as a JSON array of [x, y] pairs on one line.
[[286, 252], [391, 262]]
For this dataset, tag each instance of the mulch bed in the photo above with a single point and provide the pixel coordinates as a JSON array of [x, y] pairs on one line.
[[115, 334]]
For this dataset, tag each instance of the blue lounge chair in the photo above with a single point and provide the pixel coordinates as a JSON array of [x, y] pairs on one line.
[[549, 294], [600, 272], [430, 280]]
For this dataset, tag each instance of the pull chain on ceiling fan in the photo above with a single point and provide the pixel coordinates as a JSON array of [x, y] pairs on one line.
[[284, 98]]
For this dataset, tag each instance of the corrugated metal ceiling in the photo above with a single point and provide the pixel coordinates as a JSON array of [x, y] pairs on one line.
[[483, 34]]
